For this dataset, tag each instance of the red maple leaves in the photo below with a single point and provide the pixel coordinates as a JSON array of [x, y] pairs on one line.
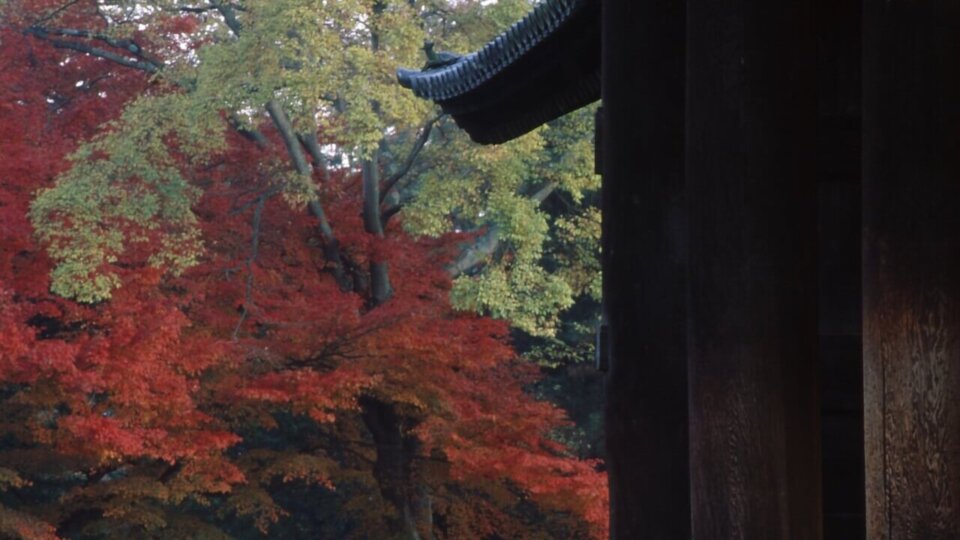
[[127, 408]]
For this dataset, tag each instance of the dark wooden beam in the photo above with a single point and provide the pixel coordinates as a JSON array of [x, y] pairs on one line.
[[838, 25], [911, 268], [645, 267], [754, 412]]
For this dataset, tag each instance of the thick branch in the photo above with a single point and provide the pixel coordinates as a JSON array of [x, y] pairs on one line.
[[389, 213], [143, 64], [484, 248], [230, 18], [380, 288], [250, 134], [203, 9], [310, 142], [371, 197], [325, 229], [128, 46], [480, 251], [331, 246], [544, 192], [289, 136], [282, 122], [254, 249]]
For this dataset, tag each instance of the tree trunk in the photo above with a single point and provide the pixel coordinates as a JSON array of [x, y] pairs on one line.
[[394, 471], [644, 266], [911, 268], [380, 288], [754, 414]]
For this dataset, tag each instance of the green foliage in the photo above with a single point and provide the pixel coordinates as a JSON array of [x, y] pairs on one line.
[[315, 58], [331, 66], [517, 288], [576, 251], [545, 258], [126, 187], [147, 386]]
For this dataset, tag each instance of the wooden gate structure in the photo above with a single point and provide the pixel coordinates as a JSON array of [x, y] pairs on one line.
[[781, 252]]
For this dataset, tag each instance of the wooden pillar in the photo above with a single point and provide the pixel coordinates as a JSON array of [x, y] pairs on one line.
[[911, 268], [751, 118], [838, 24], [645, 268]]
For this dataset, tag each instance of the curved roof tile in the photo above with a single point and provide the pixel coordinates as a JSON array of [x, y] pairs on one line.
[[542, 67]]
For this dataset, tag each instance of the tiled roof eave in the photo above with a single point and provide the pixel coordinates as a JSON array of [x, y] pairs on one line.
[[543, 67], [479, 67]]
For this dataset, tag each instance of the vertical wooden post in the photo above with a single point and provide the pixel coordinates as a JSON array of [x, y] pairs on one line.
[[839, 53], [751, 116], [645, 232], [911, 268]]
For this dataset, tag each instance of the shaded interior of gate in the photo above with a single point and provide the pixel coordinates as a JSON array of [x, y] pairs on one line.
[[522, 80], [839, 305]]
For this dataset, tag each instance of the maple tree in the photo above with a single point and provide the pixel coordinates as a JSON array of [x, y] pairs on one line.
[[227, 343], [88, 392]]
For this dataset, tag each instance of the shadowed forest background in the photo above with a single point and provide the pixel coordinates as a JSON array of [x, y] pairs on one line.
[[251, 287]]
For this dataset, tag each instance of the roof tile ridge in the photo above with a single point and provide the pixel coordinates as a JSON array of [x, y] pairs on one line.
[[475, 68]]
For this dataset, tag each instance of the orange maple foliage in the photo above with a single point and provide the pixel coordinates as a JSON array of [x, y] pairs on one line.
[[256, 369]]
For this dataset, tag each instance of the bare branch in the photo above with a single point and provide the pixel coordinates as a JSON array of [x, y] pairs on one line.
[[55, 12], [203, 9], [265, 194], [143, 65], [127, 45], [418, 145]]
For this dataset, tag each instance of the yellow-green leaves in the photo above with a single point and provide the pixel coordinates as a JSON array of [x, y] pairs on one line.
[[525, 294], [330, 65], [569, 159], [577, 250], [126, 186], [464, 186], [516, 287]]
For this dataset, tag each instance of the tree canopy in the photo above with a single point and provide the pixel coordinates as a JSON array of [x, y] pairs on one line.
[[239, 257]]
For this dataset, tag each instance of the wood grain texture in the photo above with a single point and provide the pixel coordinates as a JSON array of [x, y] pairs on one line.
[[754, 415], [911, 268]]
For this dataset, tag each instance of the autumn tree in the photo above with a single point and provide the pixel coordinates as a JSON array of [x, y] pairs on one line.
[[180, 228], [98, 402]]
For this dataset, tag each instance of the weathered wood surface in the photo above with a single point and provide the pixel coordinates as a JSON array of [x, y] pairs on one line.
[[911, 268], [754, 431], [645, 268]]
